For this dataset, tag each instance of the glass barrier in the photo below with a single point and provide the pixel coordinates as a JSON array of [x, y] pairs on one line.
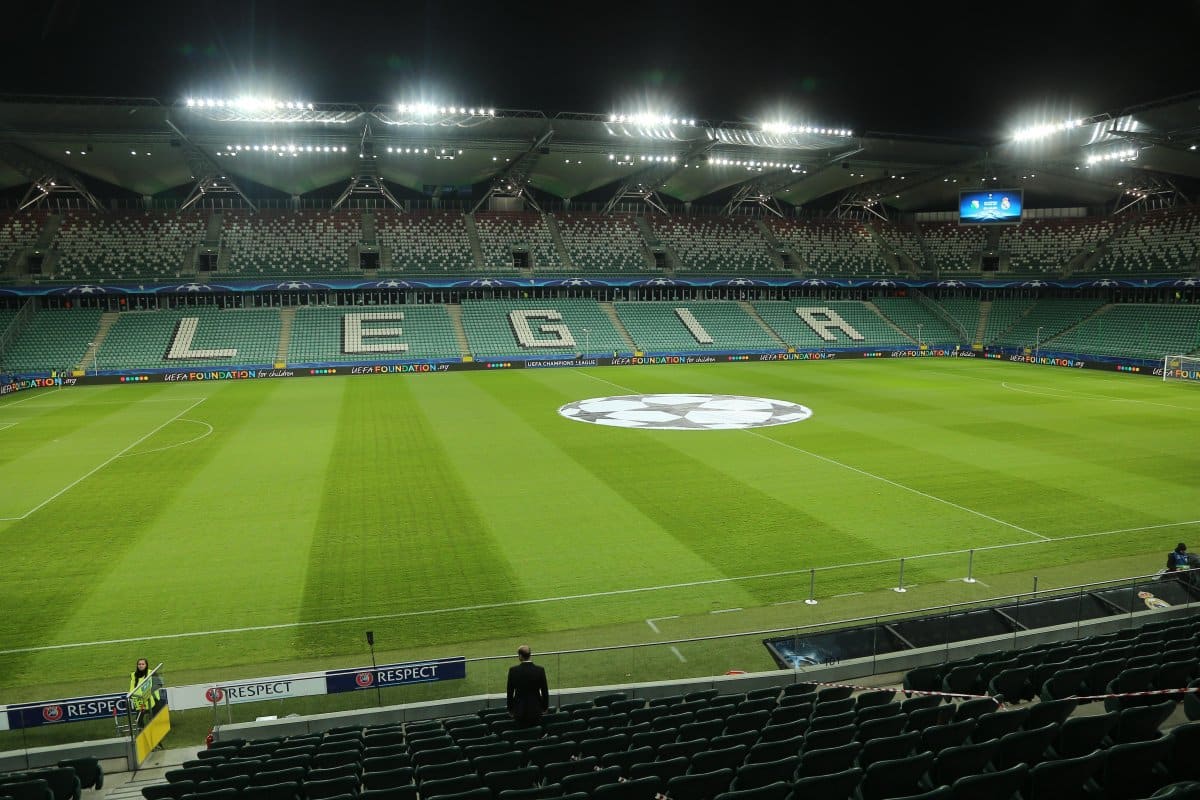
[[702, 645]]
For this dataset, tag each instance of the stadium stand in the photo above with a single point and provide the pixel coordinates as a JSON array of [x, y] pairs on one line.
[[425, 241], [833, 247], [290, 243], [715, 244], [1048, 245], [908, 314], [1052, 315], [963, 310], [954, 247], [7, 315], [18, 231], [145, 338], [1165, 242], [902, 242], [1134, 330], [490, 329], [801, 741], [782, 317], [602, 243], [658, 327], [503, 233], [1003, 313], [52, 340], [318, 333], [93, 246]]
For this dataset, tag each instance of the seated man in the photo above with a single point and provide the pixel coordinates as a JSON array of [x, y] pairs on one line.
[[1178, 558]]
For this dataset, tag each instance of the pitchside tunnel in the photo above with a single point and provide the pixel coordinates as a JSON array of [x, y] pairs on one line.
[[62, 339]]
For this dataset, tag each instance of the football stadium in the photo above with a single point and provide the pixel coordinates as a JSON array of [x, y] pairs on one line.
[[811, 461]]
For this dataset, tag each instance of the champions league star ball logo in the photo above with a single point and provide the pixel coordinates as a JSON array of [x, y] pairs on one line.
[[364, 679], [685, 412], [52, 713]]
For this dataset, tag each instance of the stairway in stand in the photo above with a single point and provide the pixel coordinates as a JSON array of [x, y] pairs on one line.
[[287, 316]]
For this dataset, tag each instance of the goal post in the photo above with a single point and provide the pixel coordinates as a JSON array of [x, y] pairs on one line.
[[1181, 368]]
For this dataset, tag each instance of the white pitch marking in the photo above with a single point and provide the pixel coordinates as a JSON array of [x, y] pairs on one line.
[[6, 425], [1063, 394], [863, 472], [559, 599], [787, 602], [725, 611], [678, 654], [204, 435], [27, 399], [891, 482], [653, 620], [1048, 391], [102, 465]]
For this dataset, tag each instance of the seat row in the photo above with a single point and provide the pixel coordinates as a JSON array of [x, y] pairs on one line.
[[1025, 764], [1157, 643], [66, 781]]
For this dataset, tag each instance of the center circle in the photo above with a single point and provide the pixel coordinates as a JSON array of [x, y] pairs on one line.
[[685, 412]]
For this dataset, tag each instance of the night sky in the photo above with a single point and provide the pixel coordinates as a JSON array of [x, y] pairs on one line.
[[916, 68]]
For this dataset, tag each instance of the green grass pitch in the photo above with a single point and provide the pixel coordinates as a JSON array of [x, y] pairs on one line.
[[261, 527]]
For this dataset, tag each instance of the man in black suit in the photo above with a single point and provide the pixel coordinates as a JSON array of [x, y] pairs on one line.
[[528, 694]]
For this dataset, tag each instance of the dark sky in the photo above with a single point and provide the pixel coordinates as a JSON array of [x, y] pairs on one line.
[[920, 67]]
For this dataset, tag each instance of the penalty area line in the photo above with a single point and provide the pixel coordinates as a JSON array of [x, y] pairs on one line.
[[653, 620], [570, 597]]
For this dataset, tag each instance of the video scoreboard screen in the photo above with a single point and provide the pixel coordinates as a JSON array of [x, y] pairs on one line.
[[994, 207]]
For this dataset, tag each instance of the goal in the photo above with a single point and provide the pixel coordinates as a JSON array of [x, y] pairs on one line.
[[1181, 368]]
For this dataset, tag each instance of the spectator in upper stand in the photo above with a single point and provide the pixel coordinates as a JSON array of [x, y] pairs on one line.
[[1178, 558]]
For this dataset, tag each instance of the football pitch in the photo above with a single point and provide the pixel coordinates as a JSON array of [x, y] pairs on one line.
[[244, 529]]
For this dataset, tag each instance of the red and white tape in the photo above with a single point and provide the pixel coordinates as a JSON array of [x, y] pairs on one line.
[[1147, 693], [908, 691]]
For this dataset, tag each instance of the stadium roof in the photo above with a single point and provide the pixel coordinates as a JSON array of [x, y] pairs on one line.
[[141, 146]]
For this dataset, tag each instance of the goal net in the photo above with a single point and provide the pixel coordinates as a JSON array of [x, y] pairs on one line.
[[1181, 368]]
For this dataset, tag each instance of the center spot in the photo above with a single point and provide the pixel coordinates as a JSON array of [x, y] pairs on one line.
[[685, 412]]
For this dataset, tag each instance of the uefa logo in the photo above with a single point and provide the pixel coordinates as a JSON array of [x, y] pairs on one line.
[[214, 695], [52, 713], [364, 679]]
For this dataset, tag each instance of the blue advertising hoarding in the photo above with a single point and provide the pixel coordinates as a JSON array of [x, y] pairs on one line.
[[74, 709], [385, 675]]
